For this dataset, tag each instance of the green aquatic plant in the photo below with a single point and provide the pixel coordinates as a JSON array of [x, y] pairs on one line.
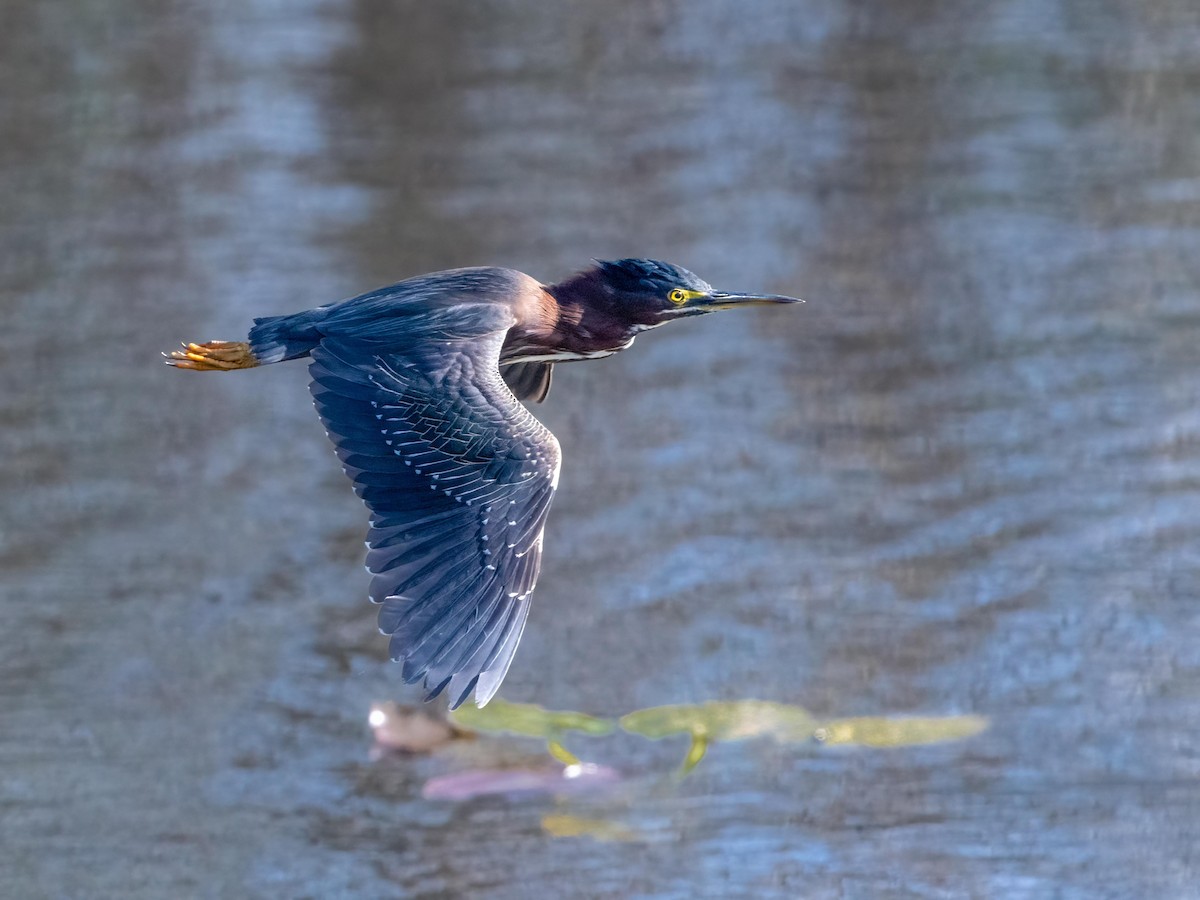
[[732, 720], [718, 720], [881, 731], [739, 720], [531, 720]]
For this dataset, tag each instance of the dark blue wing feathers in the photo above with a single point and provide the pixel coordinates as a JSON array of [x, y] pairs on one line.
[[458, 477]]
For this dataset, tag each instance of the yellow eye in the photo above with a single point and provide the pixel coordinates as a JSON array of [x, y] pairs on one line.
[[677, 296]]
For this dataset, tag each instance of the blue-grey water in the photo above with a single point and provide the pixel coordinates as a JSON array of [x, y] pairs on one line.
[[963, 480]]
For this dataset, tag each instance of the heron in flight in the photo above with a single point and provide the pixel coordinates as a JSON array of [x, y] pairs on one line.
[[419, 387]]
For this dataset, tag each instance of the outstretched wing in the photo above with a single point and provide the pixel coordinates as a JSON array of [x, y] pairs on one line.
[[458, 476]]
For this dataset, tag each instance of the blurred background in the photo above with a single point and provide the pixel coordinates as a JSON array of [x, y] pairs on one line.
[[963, 480]]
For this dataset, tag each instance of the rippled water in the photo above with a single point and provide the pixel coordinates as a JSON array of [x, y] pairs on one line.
[[964, 480]]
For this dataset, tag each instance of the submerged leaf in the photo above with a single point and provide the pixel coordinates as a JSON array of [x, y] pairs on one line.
[[527, 719], [877, 731], [723, 721], [562, 754], [695, 753]]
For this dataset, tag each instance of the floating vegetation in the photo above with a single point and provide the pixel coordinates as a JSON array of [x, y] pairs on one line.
[[527, 719], [734, 720], [879, 731], [531, 720], [716, 721]]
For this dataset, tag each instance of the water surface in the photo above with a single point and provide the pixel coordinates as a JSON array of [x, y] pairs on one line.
[[964, 480]]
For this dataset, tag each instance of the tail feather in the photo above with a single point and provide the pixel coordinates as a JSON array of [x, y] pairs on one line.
[[276, 338]]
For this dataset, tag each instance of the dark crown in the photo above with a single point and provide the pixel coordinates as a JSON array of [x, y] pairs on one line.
[[638, 275]]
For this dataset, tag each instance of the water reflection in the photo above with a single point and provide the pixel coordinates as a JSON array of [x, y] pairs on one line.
[[562, 825], [559, 781]]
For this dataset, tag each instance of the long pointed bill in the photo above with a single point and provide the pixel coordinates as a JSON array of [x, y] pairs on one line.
[[723, 300]]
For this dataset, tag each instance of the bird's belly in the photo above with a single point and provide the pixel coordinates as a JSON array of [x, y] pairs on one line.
[[542, 354]]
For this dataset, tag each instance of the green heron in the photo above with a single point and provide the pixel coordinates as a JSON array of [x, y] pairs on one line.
[[418, 385]]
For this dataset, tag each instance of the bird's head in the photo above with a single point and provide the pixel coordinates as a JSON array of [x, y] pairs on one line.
[[649, 293]]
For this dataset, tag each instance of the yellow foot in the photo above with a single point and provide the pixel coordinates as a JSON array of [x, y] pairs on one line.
[[213, 356]]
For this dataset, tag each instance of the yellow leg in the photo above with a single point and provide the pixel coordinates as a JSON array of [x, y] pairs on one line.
[[213, 356]]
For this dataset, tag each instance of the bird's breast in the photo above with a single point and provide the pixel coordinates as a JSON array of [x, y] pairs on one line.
[[548, 329]]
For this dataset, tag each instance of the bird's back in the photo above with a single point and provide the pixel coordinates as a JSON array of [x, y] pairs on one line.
[[434, 306]]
